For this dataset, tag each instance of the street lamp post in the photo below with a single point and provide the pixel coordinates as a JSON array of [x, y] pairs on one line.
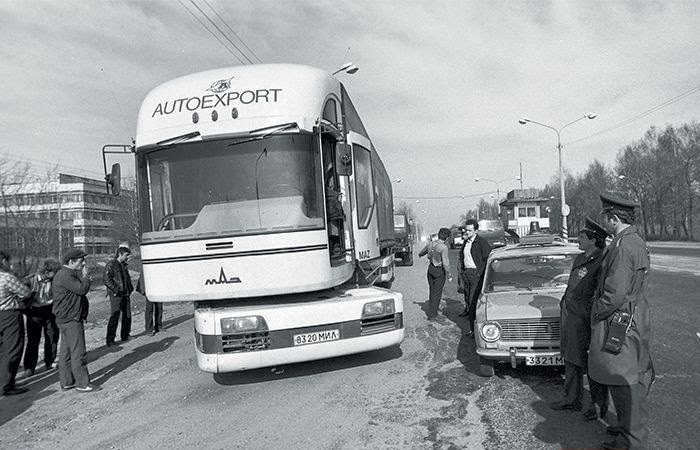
[[564, 206], [498, 189]]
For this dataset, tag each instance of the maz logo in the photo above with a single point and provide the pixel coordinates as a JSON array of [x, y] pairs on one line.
[[222, 279]]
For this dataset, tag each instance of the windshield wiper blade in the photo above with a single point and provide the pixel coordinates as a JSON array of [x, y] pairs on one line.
[[273, 130], [178, 139]]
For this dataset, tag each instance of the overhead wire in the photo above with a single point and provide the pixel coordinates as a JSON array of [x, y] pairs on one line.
[[220, 31], [234, 33], [640, 115], [210, 31]]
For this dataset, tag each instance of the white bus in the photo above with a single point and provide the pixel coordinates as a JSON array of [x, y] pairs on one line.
[[263, 200]]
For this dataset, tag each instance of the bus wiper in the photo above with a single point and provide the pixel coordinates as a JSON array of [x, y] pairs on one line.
[[272, 131], [178, 139]]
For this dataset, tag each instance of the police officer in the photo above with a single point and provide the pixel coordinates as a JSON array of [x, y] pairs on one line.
[[620, 360], [575, 318]]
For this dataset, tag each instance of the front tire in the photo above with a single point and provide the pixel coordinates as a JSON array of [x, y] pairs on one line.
[[486, 368]]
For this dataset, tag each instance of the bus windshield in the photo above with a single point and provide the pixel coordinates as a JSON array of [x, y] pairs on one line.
[[231, 187]]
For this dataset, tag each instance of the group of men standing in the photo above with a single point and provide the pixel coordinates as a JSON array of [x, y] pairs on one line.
[[606, 325], [55, 302], [605, 319]]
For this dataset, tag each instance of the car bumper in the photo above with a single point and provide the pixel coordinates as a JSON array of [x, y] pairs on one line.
[[515, 355]]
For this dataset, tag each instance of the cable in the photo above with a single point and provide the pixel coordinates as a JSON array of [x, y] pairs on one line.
[[449, 197], [234, 33], [211, 32], [222, 33], [51, 166], [114, 97], [641, 115]]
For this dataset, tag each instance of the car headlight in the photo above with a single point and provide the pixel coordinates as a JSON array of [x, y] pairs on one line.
[[378, 308], [490, 331], [242, 324]]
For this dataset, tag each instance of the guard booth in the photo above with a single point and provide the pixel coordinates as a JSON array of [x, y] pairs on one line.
[[524, 206]]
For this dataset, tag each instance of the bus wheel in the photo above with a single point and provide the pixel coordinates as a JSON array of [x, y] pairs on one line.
[[486, 367]]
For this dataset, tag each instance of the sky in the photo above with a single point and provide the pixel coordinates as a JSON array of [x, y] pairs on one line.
[[440, 89]]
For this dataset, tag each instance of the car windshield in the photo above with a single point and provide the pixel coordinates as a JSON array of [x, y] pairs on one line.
[[213, 187], [528, 272]]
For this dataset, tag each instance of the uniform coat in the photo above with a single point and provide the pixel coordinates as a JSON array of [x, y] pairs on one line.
[[621, 286], [576, 307]]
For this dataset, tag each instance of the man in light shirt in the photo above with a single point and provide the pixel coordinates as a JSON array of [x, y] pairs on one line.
[[438, 270], [472, 266]]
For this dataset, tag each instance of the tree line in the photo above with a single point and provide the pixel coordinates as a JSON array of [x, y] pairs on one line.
[[661, 171]]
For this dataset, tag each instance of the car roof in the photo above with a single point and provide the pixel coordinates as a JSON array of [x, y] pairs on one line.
[[535, 249]]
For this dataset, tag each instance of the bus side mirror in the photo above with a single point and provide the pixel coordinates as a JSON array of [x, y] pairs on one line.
[[344, 158], [114, 181]]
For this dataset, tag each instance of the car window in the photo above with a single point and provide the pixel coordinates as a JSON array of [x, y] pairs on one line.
[[528, 272]]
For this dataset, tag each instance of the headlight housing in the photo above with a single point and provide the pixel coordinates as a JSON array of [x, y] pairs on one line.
[[490, 331], [378, 308], [231, 325]]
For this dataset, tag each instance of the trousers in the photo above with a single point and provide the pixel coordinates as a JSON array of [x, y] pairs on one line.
[[72, 356], [119, 306], [436, 282], [11, 345], [40, 319], [153, 316]]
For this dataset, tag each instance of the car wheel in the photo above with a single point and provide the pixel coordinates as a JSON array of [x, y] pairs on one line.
[[486, 367]]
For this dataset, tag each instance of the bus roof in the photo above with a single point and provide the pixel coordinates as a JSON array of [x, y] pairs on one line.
[[234, 100]]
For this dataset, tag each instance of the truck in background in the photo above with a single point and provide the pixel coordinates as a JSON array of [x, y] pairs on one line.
[[403, 236]]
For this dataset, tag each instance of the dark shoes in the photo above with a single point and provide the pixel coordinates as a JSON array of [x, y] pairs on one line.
[[591, 413], [563, 404], [14, 391], [67, 388], [110, 343], [126, 339]]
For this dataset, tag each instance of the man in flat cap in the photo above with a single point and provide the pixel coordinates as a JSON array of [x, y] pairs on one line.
[[619, 356], [70, 306], [576, 323]]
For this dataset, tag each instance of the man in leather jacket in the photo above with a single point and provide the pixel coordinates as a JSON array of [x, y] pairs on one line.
[[118, 282]]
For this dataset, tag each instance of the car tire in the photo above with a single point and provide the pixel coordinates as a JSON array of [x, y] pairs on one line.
[[486, 368]]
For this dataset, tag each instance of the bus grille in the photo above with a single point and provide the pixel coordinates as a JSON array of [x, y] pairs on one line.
[[245, 342], [530, 330], [376, 325]]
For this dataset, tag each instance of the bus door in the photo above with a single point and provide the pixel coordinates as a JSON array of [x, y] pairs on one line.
[[365, 227], [337, 204]]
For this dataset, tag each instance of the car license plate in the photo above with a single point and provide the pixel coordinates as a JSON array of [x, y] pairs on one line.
[[555, 360], [316, 337]]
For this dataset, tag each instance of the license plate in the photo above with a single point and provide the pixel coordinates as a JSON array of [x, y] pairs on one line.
[[556, 360], [316, 337]]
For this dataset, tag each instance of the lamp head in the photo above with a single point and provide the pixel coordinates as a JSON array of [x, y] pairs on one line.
[[477, 179], [591, 115], [523, 121]]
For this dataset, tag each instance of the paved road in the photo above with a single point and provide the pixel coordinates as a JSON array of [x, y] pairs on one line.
[[427, 395]]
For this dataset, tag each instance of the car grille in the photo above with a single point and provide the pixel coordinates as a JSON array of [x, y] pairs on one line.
[[245, 342], [530, 330], [378, 325]]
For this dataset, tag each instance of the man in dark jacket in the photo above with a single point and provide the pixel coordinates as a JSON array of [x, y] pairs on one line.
[[619, 356], [118, 282], [575, 320], [472, 265], [70, 306]]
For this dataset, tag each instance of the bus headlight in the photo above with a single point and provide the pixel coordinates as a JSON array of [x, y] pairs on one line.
[[378, 308], [231, 325], [491, 331]]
